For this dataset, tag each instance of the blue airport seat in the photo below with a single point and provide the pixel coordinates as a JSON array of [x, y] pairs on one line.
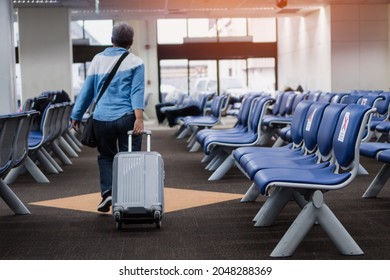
[[256, 161], [194, 124], [39, 140], [310, 184], [240, 126], [322, 154], [13, 143], [295, 147], [221, 146]]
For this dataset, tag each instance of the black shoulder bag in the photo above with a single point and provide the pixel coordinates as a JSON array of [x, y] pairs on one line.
[[88, 137]]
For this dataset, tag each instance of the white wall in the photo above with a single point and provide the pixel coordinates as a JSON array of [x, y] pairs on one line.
[[45, 50], [304, 51], [360, 47]]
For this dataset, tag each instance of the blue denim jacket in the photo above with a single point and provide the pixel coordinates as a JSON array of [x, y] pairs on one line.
[[124, 94]]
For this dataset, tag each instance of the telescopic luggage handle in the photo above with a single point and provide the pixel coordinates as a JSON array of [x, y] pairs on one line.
[[148, 145]]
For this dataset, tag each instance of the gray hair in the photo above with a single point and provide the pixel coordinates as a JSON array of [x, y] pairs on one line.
[[122, 35]]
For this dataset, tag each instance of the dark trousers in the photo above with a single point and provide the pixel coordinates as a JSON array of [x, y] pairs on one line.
[[112, 138]]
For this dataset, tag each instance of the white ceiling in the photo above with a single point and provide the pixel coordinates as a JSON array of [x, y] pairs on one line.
[[136, 9]]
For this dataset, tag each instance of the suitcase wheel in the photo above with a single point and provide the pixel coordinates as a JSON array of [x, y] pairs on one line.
[[157, 218], [117, 216], [118, 223]]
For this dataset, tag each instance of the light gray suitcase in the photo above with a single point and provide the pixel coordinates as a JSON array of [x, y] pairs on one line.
[[138, 186]]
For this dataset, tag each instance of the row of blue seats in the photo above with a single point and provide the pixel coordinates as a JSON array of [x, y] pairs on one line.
[[325, 138], [14, 131], [47, 142], [262, 123], [210, 118], [327, 158], [271, 121]]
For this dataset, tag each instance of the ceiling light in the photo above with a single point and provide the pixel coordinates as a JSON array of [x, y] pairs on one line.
[[281, 3]]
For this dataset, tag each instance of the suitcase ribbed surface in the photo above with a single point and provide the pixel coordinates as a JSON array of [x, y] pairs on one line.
[[131, 190]]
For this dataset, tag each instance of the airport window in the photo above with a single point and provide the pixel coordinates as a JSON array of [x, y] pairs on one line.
[[238, 54], [261, 74], [232, 27], [186, 30], [202, 27], [79, 74], [16, 34], [233, 76], [91, 32], [203, 77], [173, 77], [171, 31], [262, 29]]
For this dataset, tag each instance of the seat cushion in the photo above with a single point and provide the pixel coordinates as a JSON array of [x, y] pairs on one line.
[[316, 179], [371, 149]]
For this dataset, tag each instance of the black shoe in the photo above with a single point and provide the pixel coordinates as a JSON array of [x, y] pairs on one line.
[[105, 204]]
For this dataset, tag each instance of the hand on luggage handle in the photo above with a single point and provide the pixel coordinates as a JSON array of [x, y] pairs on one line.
[[147, 133]]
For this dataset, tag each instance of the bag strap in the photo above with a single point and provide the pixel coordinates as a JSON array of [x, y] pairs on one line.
[[110, 76]]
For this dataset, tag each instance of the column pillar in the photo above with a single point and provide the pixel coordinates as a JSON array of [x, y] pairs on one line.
[[8, 102], [45, 50]]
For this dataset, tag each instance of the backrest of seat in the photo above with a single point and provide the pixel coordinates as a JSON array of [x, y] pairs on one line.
[[65, 122], [313, 95], [243, 113], [276, 105], [298, 98], [7, 135], [326, 97], [338, 97], [297, 121], [311, 125], [225, 103], [257, 112], [382, 106], [20, 147], [57, 123], [27, 104], [217, 104], [351, 98], [4, 156], [370, 100], [286, 103], [349, 130], [290, 103], [203, 98], [327, 127], [47, 120]]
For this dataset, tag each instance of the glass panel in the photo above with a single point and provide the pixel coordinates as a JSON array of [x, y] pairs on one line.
[[16, 34], [171, 31], [174, 78], [78, 77], [261, 74], [203, 77], [202, 27], [232, 27], [233, 77], [98, 31], [262, 29], [77, 29]]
